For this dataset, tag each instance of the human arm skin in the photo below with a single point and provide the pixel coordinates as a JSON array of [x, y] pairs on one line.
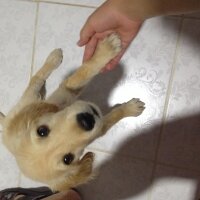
[[125, 17], [144, 9]]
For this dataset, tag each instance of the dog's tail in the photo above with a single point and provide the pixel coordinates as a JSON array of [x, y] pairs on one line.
[[2, 117]]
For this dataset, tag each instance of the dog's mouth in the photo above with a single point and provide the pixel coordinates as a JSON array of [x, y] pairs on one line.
[[94, 111]]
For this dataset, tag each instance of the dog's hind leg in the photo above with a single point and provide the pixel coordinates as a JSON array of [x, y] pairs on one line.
[[37, 82], [70, 88]]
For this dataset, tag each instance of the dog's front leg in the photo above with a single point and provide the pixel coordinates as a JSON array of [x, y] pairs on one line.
[[72, 86], [106, 50], [132, 108], [37, 82]]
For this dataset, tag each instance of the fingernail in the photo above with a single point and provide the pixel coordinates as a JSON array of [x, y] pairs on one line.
[[79, 43]]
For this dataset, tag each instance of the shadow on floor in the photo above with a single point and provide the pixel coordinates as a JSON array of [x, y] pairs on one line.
[[99, 89], [124, 177]]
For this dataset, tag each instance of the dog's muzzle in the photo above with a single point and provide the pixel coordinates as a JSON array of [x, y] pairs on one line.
[[94, 111], [87, 120]]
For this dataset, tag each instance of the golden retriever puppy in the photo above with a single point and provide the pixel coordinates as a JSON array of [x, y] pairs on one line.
[[48, 136]]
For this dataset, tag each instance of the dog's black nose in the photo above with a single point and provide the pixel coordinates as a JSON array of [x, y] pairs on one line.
[[86, 121]]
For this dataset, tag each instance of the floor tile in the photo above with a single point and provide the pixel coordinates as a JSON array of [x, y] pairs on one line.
[[56, 30], [16, 38], [173, 184], [119, 178], [186, 93], [180, 144], [93, 3], [144, 73], [16, 49]]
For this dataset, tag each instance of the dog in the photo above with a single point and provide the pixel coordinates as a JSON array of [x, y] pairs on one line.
[[47, 136]]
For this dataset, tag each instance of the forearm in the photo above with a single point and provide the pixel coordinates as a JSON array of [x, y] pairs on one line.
[[143, 9]]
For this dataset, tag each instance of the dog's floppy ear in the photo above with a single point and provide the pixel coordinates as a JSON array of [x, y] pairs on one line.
[[2, 117]]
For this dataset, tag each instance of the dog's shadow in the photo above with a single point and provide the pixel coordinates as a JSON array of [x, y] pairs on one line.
[[100, 87]]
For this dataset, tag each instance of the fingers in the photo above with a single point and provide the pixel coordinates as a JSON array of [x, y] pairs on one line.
[[86, 33], [94, 24], [91, 45], [90, 49]]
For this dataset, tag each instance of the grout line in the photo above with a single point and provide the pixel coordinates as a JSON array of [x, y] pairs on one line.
[[28, 1], [145, 160], [32, 62], [171, 79], [113, 153], [167, 99], [170, 83], [60, 3], [169, 89], [190, 17], [34, 39], [67, 4], [177, 167], [94, 7], [183, 16]]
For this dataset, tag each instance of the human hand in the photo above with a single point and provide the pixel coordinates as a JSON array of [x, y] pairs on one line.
[[104, 21], [71, 195]]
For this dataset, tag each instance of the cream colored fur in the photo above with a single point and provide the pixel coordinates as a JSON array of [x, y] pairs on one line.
[[41, 158]]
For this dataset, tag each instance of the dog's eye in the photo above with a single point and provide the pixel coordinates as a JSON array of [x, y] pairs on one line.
[[68, 158], [43, 131]]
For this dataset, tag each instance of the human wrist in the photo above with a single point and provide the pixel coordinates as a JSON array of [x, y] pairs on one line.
[[139, 10], [144, 9]]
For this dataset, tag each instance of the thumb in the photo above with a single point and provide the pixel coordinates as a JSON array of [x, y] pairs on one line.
[[85, 34]]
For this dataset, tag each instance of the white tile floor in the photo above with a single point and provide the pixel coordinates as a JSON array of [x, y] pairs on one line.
[[153, 157]]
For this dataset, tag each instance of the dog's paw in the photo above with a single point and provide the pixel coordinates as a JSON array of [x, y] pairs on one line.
[[110, 46], [114, 43], [134, 107], [55, 58]]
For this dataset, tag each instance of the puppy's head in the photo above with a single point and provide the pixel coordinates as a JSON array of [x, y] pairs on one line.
[[47, 142]]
